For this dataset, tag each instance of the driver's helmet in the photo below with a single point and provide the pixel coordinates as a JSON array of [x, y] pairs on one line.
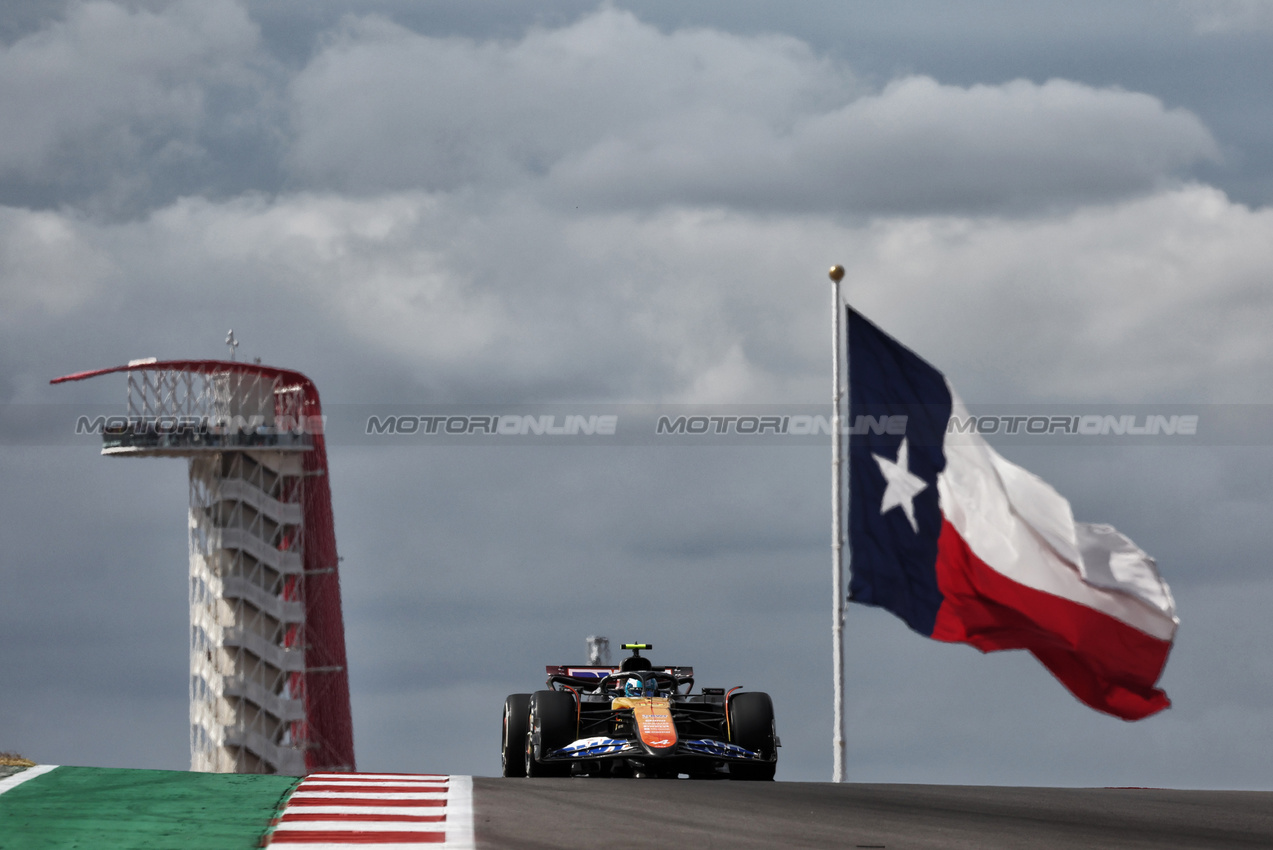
[[633, 688]]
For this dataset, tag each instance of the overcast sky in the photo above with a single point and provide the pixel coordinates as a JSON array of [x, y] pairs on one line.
[[1057, 204]]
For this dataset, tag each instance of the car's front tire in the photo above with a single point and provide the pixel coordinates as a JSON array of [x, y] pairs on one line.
[[751, 722], [513, 739], [552, 722]]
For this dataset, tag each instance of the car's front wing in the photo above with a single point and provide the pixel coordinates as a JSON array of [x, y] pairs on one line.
[[603, 747]]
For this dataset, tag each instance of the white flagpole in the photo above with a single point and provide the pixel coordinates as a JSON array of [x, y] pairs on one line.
[[837, 534]]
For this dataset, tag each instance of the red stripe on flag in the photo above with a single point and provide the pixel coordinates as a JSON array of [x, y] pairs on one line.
[[360, 801], [353, 816], [1106, 663], [319, 836]]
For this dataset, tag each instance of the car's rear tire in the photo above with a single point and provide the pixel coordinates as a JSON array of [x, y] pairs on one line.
[[751, 723], [513, 739], [552, 721]]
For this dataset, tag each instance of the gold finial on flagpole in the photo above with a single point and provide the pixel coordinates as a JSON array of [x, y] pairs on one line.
[[836, 274]]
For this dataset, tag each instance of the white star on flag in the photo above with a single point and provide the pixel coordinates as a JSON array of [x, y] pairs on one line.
[[903, 485]]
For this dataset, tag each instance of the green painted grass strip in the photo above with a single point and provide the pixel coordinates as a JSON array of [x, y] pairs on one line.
[[88, 807]]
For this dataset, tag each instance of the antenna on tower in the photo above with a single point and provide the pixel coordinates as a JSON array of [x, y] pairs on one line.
[[231, 342]]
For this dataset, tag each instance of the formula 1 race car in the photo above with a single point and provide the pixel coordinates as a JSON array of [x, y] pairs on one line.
[[638, 720]]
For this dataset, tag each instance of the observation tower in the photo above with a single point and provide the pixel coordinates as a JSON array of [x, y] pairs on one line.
[[269, 688]]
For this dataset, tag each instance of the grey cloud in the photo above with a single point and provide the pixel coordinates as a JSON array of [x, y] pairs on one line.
[[917, 146], [1155, 299], [1132, 302], [383, 106], [122, 110], [570, 114], [119, 108], [1228, 16]]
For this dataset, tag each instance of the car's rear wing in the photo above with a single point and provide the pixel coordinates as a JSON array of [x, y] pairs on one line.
[[594, 673], [589, 679]]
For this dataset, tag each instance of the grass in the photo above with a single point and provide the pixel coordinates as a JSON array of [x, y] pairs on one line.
[[15, 760]]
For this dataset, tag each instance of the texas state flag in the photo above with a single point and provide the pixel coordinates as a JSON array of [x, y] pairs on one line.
[[967, 547]]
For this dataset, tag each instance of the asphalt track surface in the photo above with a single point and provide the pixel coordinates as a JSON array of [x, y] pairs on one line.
[[511, 814]]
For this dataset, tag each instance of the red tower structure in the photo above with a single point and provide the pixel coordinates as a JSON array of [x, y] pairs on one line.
[[269, 688]]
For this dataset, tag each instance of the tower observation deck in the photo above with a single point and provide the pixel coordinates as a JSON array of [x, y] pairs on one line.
[[269, 687]]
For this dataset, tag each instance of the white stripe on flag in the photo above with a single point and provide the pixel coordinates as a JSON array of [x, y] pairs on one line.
[[1023, 529]]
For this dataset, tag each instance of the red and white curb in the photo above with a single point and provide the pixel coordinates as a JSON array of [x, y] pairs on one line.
[[11, 782], [370, 810]]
